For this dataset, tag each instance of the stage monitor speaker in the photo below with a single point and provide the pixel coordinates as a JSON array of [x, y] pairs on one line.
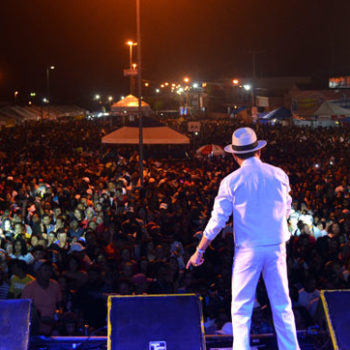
[[155, 322], [336, 305], [14, 324]]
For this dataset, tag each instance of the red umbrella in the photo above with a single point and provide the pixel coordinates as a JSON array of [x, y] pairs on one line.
[[210, 150]]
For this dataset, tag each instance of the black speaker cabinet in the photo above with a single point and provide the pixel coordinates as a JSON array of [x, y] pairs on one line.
[[14, 324], [336, 305], [155, 322]]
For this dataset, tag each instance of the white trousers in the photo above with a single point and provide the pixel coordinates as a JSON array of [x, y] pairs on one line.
[[247, 267]]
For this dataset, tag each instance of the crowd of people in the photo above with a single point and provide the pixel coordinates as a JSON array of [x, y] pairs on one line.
[[76, 225]]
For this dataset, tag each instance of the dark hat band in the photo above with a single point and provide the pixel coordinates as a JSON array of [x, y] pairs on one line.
[[246, 147]]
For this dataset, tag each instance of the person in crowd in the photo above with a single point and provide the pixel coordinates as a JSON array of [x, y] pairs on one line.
[[62, 240], [309, 296], [20, 251], [76, 276], [4, 285], [19, 279], [91, 299], [46, 224], [74, 229], [46, 296]]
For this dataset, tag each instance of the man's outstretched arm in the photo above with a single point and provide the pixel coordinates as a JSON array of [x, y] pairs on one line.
[[197, 258], [219, 216]]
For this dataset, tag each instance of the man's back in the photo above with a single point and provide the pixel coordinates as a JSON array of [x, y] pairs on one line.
[[261, 202]]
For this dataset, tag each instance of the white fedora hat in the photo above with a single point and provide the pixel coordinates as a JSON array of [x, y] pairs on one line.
[[244, 140]]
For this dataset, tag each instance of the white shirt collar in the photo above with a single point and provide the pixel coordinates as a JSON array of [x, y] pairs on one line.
[[250, 161]]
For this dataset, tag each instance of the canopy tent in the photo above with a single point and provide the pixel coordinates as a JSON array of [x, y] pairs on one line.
[[281, 113], [262, 115], [18, 114], [130, 104], [328, 109], [328, 114], [346, 120], [153, 133]]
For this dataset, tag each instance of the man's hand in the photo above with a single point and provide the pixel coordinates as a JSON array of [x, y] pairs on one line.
[[195, 260]]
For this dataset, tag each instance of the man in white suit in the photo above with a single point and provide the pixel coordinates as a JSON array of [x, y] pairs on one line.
[[257, 195]]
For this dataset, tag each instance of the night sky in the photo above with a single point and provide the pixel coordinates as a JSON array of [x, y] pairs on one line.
[[204, 39]]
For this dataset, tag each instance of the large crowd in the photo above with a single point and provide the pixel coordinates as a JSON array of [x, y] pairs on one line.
[[76, 225]]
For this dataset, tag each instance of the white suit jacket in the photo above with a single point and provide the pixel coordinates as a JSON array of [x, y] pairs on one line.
[[257, 194]]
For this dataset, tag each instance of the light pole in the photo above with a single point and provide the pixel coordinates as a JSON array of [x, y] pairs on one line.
[[48, 69], [186, 81], [131, 44], [139, 86], [15, 95]]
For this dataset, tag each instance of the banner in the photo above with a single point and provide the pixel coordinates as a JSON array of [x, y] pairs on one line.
[[262, 101], [130, 72], [193, 126]]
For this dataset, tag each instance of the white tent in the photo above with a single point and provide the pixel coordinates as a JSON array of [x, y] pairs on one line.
[[153, 133], [328, 109], [130, 104]]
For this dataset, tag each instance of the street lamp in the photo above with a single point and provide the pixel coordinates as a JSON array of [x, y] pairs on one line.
[[186, 81], [132, 66], [48, 69], [139, 86], [15, 95], [131, 44], [32, 96]]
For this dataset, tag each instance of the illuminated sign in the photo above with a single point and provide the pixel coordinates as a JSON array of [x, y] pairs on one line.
[[339, 82]]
